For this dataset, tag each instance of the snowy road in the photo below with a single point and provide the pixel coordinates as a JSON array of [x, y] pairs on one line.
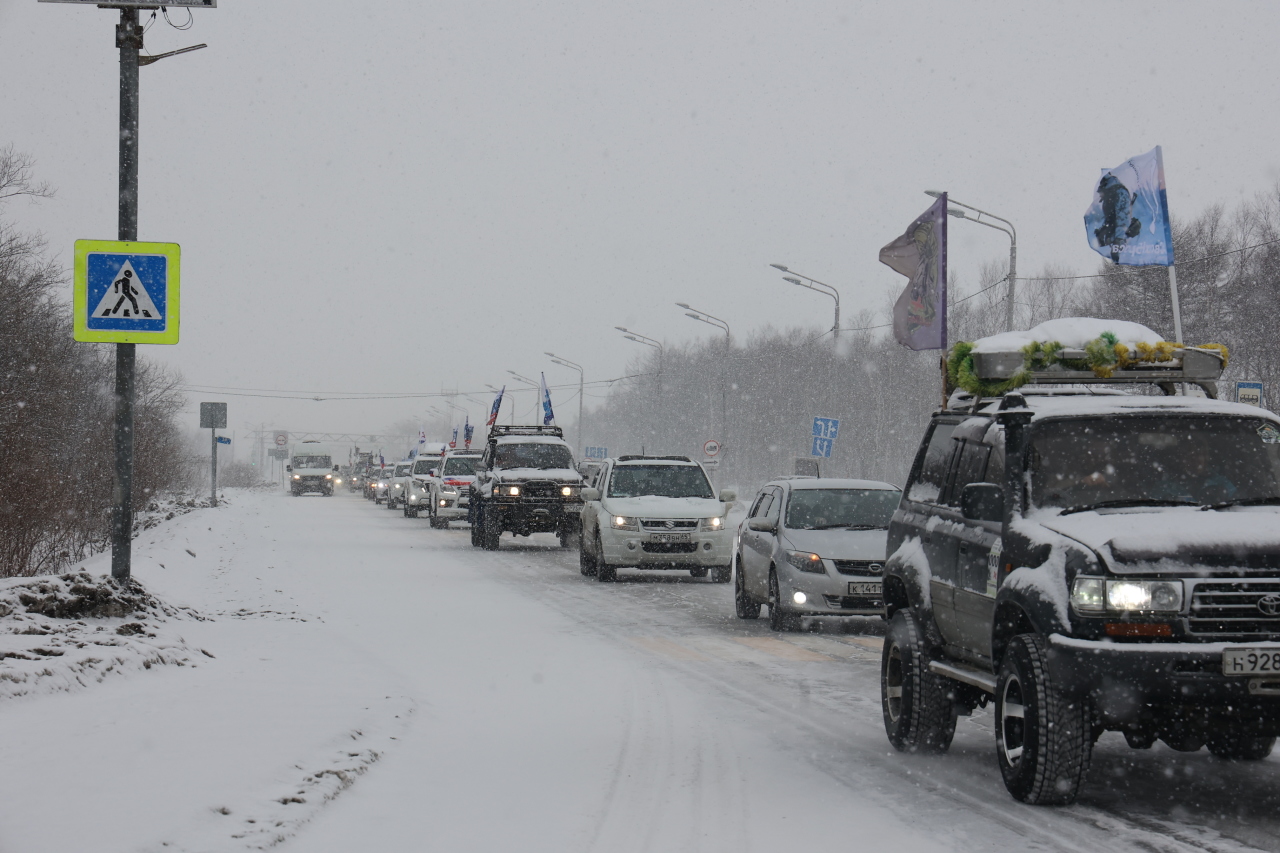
[[512, 704]]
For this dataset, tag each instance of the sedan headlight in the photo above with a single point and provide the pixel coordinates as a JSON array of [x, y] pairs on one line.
[[806, 562], [1099, 595], [712, 524], [623, 522]]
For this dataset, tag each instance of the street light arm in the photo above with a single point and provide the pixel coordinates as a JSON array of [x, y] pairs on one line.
[[977, 210], [1012, 235]]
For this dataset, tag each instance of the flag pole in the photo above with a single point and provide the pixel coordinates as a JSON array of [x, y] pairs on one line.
[[1173, 297]]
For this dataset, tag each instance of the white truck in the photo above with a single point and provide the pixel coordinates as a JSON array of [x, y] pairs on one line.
[[311, 469]]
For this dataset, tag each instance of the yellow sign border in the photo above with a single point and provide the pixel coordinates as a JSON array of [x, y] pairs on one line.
[[80, 292]]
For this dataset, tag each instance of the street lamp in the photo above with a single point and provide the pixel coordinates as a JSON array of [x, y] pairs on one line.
[[578, 367], [1013, 246], [815, 285], [712, 320], [709, 319]]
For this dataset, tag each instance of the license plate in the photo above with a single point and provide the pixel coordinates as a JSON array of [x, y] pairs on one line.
[[1251, 661], [672, 537], [864, 587], [573, 507]]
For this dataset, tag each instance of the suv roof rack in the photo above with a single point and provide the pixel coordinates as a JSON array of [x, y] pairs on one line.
[[531, 429], [635, 457], [1194, 365]]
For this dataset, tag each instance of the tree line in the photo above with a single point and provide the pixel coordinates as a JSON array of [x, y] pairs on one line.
[[57, 405], [759, 395]]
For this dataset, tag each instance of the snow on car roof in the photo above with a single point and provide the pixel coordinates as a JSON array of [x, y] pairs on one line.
[[530, 439], [682, 462], [1091, 406], [1070, 332], [840, 483]]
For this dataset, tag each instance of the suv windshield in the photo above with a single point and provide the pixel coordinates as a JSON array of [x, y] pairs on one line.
[[460, 466], [669, 481], [1155, 460], [422, 466], [312, 462], [401, 470], [532, 456], [861, 509]]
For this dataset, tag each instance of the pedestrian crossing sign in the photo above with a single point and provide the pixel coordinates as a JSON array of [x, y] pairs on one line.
[[126, 292]]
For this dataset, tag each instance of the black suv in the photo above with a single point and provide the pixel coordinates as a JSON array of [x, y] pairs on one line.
[[1090, 561], [526, 483]]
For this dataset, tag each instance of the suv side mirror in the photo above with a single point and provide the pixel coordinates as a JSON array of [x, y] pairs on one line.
[[289, 468], [335, 467], [728, 496], [763, 525], [590, 494], [982, 502]]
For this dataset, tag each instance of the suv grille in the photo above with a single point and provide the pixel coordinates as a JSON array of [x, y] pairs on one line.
[[863, 568], [669, 547], [1235, 609], [540, 489], [661, 524]]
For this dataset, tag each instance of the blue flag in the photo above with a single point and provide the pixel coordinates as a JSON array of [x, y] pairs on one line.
[[467, 431], [1128, 221], [497, 404], [548, 416]]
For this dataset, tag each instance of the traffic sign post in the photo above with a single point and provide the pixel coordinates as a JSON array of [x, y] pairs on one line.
[[711, 447], [1249, 393], [825, 432], [595, 453], [282, 438], [213, 417], [126, 292]]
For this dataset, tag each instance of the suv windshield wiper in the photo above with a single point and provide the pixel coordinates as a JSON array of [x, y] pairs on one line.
[[1273, 500], [1126, 502], [868, 527]]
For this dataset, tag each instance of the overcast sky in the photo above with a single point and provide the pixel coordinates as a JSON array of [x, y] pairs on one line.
[[404, 196]]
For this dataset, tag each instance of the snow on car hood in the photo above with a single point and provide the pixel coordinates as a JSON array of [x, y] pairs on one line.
[[559, 475], [655, 506], [839, 543], [1133, 539]]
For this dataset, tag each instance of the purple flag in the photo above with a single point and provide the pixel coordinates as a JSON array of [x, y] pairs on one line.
[[920, 314]]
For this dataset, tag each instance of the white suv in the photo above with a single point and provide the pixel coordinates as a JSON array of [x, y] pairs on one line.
[[655, 512], [450, 488]]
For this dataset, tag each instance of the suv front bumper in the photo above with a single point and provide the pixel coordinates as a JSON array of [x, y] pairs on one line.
[[533, 515], [1123, 678], [642, 548]]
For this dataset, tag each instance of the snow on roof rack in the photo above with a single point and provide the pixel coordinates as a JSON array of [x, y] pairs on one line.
[[640, 458], [530, 429], [1194, 365]]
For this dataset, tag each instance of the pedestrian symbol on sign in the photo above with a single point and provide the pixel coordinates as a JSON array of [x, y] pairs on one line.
[[126, 287]]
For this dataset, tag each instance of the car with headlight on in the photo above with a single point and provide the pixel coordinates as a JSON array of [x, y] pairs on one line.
[[311, 469], [655, 512], [417, 485], [525, 484], [398, 483], [380, 482], [1087, 559], [813, 546], [448, 490]]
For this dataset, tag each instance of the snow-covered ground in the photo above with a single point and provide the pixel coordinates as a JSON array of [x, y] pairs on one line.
[[320, 674]]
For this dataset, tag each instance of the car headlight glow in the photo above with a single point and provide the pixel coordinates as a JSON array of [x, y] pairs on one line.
[[623, 522], [328, 476], [806, 562], [712, 524], [1099, 595], [297, 476], [511, 491], [566, 491]]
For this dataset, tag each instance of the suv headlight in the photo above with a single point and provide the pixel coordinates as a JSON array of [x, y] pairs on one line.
[[623, 522], [806, 562], [328, 476], [297, 476], [569, 491], [1100, 595], [712, 524], [509, 491]]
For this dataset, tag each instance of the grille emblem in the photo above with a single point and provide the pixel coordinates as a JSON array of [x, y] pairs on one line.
[[671, 525], [876, 568], [1269, 605]]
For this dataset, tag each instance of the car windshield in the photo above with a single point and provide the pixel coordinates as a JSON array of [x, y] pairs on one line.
[[669, 481], [312, 462], [401, 470], [1157, 461], [460, 466], [533, 456], [422, 466], [860, 509]]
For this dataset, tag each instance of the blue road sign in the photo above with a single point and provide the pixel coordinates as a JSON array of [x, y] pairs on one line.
[[1249, 392], [595, 452], [826, 428], [222, 439], [821, 447], [126, 292]]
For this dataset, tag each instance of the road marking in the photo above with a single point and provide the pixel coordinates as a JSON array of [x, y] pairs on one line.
[[873, 643], [667, 648], [782, 649]]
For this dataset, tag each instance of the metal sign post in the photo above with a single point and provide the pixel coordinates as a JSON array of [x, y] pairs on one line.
[[213, 417]]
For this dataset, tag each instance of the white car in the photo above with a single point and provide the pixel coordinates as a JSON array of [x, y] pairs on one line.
[[655, 512], [397, 484], [417, 486], [450, 488]]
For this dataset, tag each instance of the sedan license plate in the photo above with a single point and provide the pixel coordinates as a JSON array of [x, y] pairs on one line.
[[672, 537], [1251, 661], [864, 587]]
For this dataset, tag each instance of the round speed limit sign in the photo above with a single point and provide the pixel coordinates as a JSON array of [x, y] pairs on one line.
[[282, 438], [711, 448]]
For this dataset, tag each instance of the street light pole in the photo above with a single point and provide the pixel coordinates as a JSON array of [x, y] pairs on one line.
[[1013, 247], [649, 342], [829, 291], [713, 320], [527, 381], [578, 367]]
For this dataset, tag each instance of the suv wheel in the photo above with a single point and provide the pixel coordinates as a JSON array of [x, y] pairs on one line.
[[779, 619], [586, 562], [491, 531], [918, 714], [743, 604], [1234, 747], [1044, 738], [477, 517], [605, 573]]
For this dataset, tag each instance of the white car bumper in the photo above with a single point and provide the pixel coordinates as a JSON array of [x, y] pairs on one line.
[[645, 549]]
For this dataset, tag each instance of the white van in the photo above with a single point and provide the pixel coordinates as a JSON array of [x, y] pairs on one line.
[[311, 469]]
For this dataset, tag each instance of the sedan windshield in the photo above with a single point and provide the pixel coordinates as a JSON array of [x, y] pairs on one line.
[[859, 509], [532, 456], [669, 481], [1201, 461]]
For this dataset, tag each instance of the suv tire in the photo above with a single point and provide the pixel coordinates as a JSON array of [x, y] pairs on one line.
[[475, 529], [744, 605], [490, 531], [1044, 738], [779, 619], [1230, 746], [586, 562], [604, 572], [918, 713]]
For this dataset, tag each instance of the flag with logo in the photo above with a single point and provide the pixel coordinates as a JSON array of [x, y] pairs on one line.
[[467, 431], [497, 404], [1128, 220], [548, 415], [920, 314]]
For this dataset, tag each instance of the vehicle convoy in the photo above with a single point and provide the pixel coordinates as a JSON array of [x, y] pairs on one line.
[[311, 469], [1088, 560], [397, 478], [655, 512], [814, 547], [449, 489], [417, 488], [525, 484]]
